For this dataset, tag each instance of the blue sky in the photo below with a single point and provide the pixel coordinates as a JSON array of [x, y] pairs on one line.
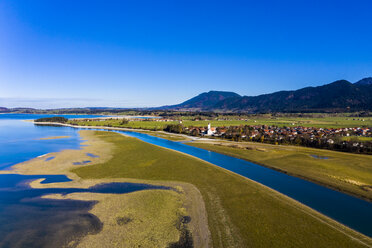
[[68, 53]]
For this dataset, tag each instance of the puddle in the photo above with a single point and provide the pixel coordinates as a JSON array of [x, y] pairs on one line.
[[319, 157], [92, 155], [80, 163], [50, 158]]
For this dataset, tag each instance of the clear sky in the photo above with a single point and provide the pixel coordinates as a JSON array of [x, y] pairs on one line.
[[68, 53]]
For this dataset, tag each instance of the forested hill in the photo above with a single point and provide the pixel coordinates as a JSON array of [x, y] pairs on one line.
[[3, 110], [339, 96], [205, 100]]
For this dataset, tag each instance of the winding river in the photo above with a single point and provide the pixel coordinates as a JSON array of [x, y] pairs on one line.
[[348, 210], [21, 143]]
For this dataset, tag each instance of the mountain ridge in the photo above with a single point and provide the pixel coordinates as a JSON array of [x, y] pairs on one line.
[[203, 100], [365, 81], [338, 96]]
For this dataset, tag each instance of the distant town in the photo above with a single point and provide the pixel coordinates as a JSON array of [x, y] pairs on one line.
[[348, 139]]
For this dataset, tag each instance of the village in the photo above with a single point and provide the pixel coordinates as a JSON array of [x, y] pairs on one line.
[[281, 132], [347, 139]]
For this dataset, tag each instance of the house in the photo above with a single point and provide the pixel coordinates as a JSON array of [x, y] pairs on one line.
[[210, 130], [330, 141]]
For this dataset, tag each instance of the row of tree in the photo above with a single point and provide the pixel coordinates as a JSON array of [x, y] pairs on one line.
[[58, 119]]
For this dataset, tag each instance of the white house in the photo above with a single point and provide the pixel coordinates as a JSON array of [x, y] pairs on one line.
[[211, 130]]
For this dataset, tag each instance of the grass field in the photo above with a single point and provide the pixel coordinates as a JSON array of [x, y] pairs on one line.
[[327, 122], [346, 172], [241, 213], [168, 136], [153, 212], [358, 138]]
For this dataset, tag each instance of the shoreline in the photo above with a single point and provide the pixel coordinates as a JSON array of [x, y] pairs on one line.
[[54, 137], [307, 210], [62, 164], [359, 196], [337, 226]]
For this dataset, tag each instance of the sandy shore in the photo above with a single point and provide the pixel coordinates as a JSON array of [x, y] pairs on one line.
[[147, 228], [55, 137]]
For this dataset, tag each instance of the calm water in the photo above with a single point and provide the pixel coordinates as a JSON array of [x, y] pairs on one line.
[[20, 140], [26, 219], [30, 221], [351, 211]]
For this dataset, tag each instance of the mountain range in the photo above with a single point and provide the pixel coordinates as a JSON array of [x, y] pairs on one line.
[[339, 96]]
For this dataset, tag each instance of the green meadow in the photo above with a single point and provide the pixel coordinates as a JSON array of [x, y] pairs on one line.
[[351, 173], [319, 122], [241, 213], [357, 138]]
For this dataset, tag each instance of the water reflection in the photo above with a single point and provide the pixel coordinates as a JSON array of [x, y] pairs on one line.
[[30, 221]]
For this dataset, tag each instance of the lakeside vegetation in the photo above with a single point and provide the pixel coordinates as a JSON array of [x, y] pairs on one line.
[[243, 214], [58, 119], [202, 121]]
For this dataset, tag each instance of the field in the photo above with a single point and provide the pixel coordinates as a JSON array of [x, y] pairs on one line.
[[241, 213], [153, 212], [357, 138], [351, 173], [168, 136], [326, 122]]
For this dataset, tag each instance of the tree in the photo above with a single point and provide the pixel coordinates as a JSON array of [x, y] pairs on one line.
[[124, 122], [58, 119]]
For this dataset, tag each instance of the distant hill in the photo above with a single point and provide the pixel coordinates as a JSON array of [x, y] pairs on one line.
[[205, 100], [339, 96], [3, 110], [365, 81]]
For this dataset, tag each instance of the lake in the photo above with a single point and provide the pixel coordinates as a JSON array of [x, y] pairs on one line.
[[346, 209], [27, 219]]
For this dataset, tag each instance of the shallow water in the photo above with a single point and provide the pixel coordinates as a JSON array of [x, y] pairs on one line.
[[26, 219], [20, 140], [351, 211], [319, 157], [92, 155], [30, 221], [50, 158], [83, 162]]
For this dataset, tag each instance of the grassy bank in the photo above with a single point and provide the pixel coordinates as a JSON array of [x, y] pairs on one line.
[[351, 173], [139, 219], [168, 136], [327, 122], [357, 138], [149, 218], [241, 213]]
